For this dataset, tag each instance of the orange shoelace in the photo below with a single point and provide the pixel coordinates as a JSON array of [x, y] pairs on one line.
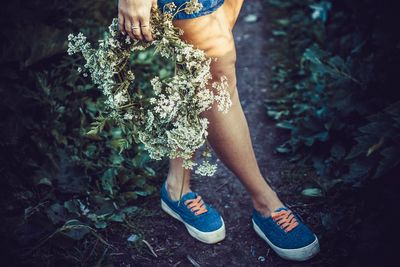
[[285, 219], [196, 205]]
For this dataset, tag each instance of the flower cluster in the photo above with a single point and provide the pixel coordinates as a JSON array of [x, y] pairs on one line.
[[169, 122]]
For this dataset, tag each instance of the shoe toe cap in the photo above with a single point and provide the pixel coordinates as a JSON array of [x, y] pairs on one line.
[[302, 236], [209, 221], [299, 237]]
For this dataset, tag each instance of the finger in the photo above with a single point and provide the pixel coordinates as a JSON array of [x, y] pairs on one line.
[[121, 23], [154, 4], [128, 28], [146, 28], [135, 31]]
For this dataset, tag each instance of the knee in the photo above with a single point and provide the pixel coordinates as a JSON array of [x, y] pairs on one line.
[[220, 46], [225, 66]]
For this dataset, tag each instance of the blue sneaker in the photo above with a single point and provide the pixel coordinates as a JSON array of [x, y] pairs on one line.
[[202, 221], [286, 234]]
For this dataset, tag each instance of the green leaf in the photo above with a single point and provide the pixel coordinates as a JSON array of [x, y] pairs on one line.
[[75, 229], [57, 213], [130, 210], [149, 171], [283, 22], [164, 74], [120, 144], [312, 192], [45, 181], [117, 159], [142, 193], [250, 18], [377, 128], [100, 224], [364, 142], [276, 115], [108, 180], [337, 61], [283, 150], [133, 238], [97, 126], [72, 206], [129, 195], [120, 217], [308, 141], [278, 33], [285, 125]]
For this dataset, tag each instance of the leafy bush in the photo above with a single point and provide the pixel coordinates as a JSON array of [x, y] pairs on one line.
[[333, 89], [56, 181]]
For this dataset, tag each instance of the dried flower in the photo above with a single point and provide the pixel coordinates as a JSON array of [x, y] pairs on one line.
[[168, 122]]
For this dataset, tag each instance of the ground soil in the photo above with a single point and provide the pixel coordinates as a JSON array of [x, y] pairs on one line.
[[241, 247]]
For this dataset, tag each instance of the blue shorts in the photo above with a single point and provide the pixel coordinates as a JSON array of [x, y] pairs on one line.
[[209, 6]]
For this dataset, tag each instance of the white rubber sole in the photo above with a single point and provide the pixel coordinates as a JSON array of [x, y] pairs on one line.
[[297, 254], [206, 237]]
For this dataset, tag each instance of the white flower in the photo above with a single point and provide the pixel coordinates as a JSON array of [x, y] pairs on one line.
[[84, 209], [188, 164], [120, 98], [206, 169], [170, 6], [204, 100], [167, 118], [193, 6], [223, 97], [128, 39], [157, 85], [128, 116]]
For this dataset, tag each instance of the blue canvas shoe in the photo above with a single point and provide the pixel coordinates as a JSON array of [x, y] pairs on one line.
[[286, 234], [202, 221]]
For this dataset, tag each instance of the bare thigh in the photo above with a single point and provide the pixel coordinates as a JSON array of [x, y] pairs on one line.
[[213, 34]]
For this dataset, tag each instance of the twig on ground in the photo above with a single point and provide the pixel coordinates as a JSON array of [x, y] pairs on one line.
[[222, 185], [176, 264], [91, 252], [192, 261], [117, 254], [133, 257], [150, 248]]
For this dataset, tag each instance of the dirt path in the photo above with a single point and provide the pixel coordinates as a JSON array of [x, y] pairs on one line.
[[241, 247]]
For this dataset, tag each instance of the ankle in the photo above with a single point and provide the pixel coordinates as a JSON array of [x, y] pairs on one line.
[[267, 202], [174, 187]]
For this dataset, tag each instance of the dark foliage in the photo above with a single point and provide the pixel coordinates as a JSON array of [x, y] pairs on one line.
[[336, 91], [60, 187]]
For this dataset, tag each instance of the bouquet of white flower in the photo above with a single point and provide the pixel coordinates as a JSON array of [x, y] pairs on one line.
[[168, 122]]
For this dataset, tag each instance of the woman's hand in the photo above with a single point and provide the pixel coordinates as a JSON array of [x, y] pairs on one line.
[[134, 18]]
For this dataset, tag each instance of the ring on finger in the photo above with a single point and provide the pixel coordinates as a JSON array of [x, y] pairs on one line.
[[146, 25]]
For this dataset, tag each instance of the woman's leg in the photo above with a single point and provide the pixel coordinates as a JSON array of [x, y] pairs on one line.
[[176, 175], [228, 133]]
